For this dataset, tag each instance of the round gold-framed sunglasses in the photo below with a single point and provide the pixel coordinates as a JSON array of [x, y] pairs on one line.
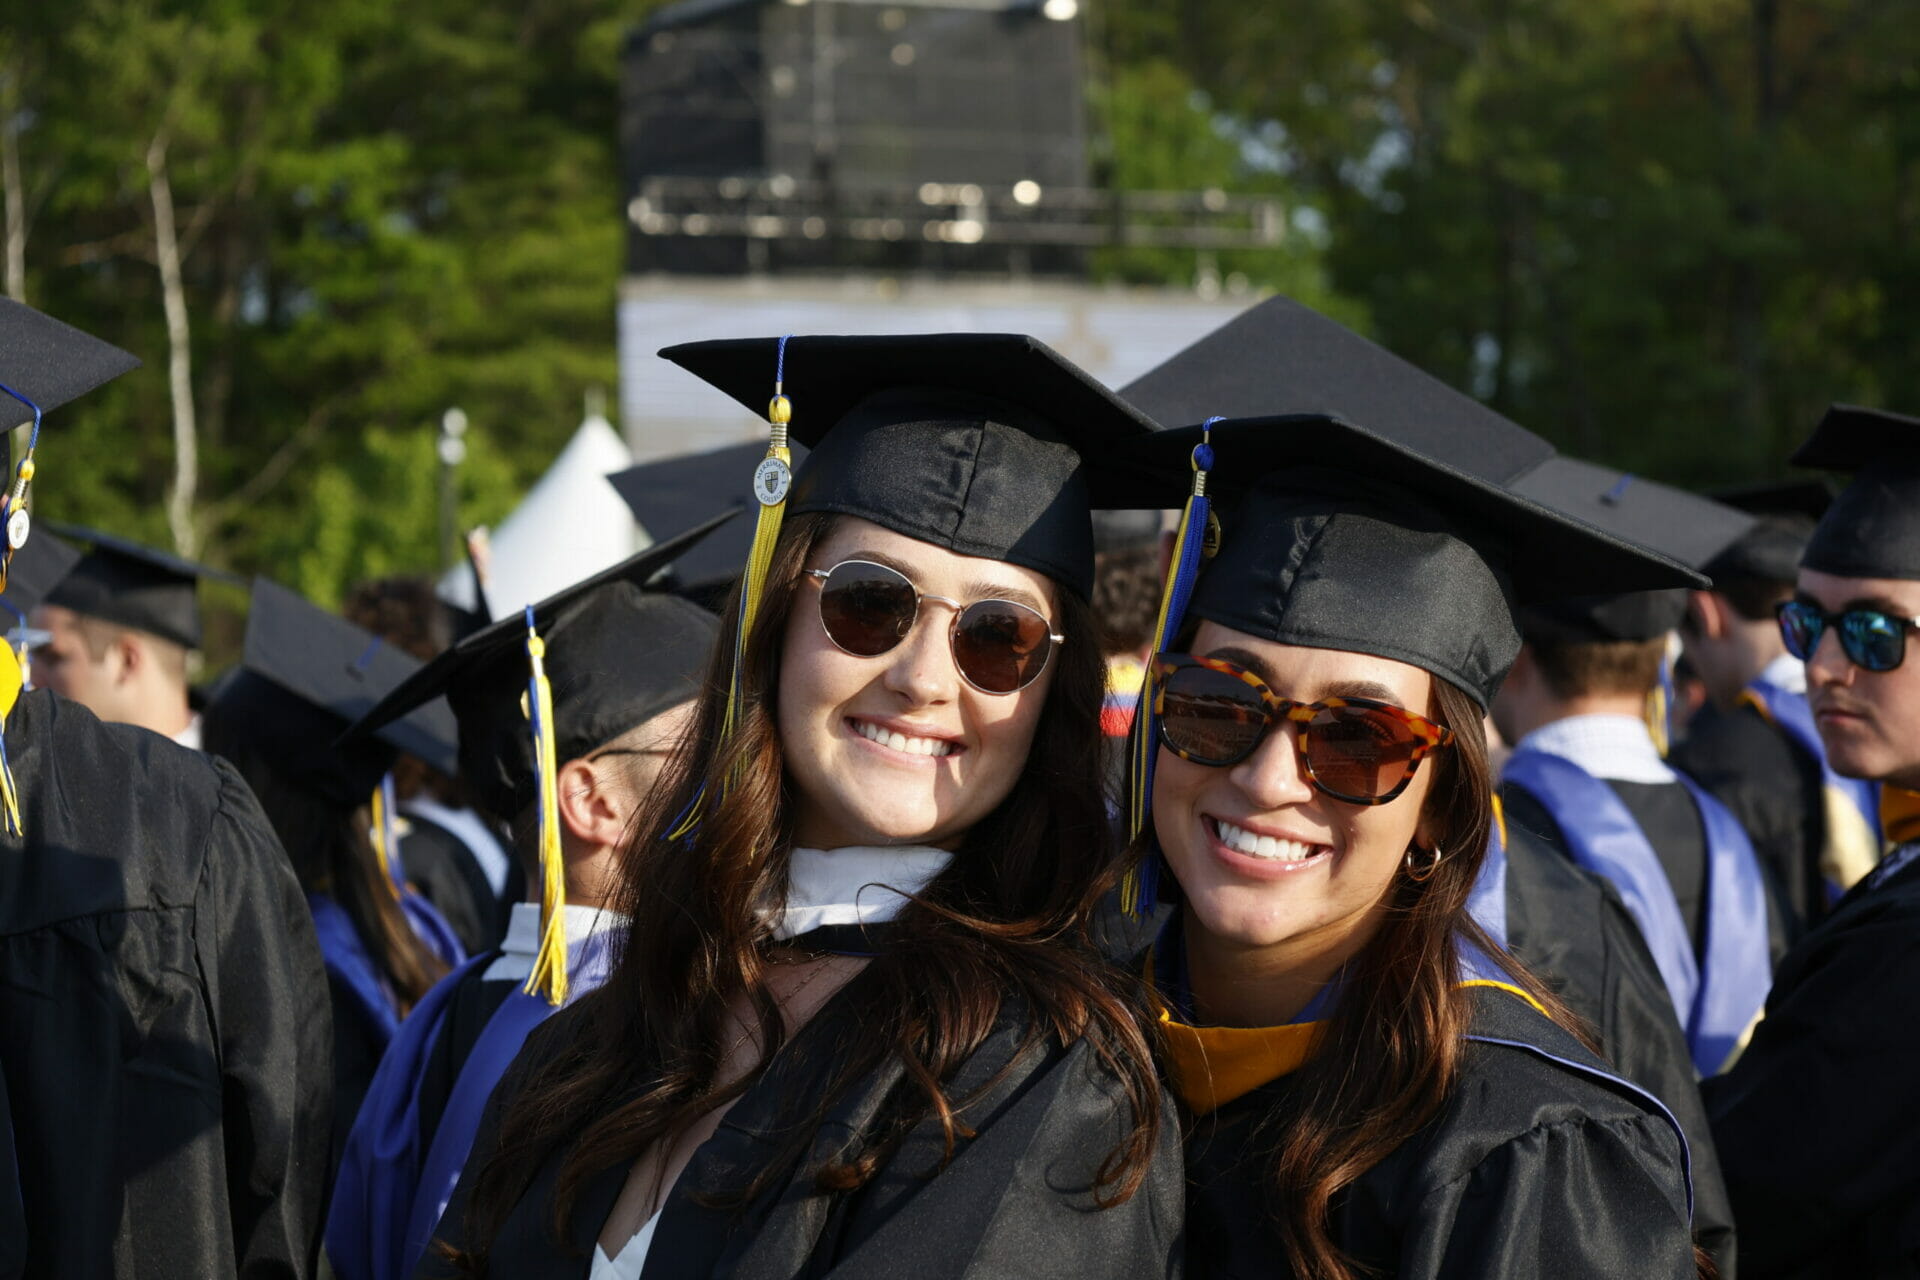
[[999, 646]]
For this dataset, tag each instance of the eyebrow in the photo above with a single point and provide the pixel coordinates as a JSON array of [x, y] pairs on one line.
[[1370, 689], [978, 589]]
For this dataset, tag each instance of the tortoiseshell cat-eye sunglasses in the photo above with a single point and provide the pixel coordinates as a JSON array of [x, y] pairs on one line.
[[1214, 712]]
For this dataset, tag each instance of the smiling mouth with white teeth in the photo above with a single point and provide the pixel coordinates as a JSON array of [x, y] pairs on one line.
[[900, 742], [1266, 848]]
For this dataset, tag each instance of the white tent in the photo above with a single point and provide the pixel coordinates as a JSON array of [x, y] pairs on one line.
[[571, 525]]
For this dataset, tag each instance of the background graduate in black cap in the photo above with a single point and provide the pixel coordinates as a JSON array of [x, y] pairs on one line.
[[624, 665], [164, 1032], [1375, 1088], [1755, 745], [306, 675], [1819, 1120], [858, 921], [455, 856], [118, 633], [1584, 710]]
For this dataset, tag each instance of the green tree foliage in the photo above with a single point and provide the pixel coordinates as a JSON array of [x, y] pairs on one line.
[[1664, 234], [384, 209]]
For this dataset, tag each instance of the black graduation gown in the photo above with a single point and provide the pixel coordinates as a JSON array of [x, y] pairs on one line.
[[1533, 1168], [1819, 1121], [440, 865], [1775, 790], [1570, 928], [1013, 1202], [164, 1036]]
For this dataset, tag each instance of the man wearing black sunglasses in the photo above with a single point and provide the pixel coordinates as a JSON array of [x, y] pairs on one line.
[[1818, 1122]]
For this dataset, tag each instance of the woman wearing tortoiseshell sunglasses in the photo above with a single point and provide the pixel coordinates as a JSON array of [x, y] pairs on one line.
[[1372, 1086]]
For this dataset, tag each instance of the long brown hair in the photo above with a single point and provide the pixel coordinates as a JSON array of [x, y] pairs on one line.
[[1006, 920]]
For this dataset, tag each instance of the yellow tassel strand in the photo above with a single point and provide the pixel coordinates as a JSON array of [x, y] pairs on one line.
[[771, 480], [378, 837], [549, 976], [12, 679]]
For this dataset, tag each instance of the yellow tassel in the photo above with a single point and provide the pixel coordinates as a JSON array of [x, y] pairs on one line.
[[381, 853], [12, 679], [771, 480], [549, 976]]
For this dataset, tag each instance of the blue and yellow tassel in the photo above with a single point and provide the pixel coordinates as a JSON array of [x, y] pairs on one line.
[[549, 976], [1141, 889], [771, 480], [15, 525], [384, 833]]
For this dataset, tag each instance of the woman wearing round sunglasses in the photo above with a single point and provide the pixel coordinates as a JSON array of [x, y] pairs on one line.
[[1373, 1087], [859, 1028]]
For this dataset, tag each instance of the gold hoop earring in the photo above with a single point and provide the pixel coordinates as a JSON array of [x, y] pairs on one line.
[[1420, 873]]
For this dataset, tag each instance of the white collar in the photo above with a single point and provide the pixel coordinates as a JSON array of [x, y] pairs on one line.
[[523, 926], [857, 884], [189, 737], [1785, 672], [1606, 746]]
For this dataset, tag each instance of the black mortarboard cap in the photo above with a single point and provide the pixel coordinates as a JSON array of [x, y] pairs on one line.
[[50, 363], [305, 675], [672, 495], [133, 585], [1335, 536], [1787, 512], [37, 568], [1872, 530], [985, 444], [1281, 358], [1808, 498], [616, 656], [1683, 526]]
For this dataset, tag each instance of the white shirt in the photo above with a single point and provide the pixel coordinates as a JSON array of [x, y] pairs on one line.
[[1606, 746], [1786, 672], [522, 943], [855, 885], [189, 737], [632, 1259]]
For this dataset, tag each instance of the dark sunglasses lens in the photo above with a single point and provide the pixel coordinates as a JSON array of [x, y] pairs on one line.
[[1800, 627], [867, 609], [1361, 753], [1000, 646], [1873, 639], [1210, 717]]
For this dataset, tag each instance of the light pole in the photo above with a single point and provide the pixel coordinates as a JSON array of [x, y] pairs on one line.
[[452, 449]]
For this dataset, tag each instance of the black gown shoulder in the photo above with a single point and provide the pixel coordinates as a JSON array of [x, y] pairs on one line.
[[1819, 1122], [165, 1056], [441, 866], [1541, 1163], [1017, 1198], [1774, 789], [1571, 929]]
